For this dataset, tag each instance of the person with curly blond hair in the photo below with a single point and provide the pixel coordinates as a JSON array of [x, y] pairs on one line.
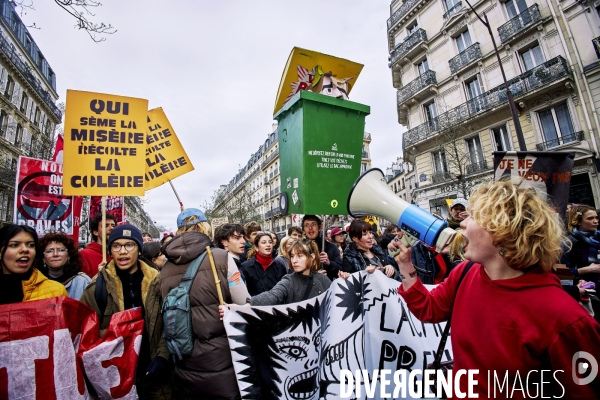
[[510, 314]]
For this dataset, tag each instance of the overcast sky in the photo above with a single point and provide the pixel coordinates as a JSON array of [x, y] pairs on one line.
[[214, 66]]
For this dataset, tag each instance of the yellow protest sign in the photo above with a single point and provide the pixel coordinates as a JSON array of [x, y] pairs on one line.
[[303, 69], [165, 157], [105, 147]]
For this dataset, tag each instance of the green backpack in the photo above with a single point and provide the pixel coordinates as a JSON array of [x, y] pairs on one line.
[[177, 315]]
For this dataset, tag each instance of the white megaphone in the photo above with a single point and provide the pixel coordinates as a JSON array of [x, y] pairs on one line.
[[371, 195]]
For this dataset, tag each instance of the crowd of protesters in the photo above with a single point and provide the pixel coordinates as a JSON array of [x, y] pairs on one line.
[[507, 246]]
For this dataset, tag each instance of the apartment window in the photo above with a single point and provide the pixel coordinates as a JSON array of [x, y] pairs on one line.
[[18, 133], [363, 167], [28, 44], [473, 89], [557, 125], [10, 85], [452, 7], [501, 139], [475, 150], [3, 122], [36, 118], [515, 7], [24, 101], [430, 112], [412, 28], [463, 41], [532, 57], [439, 162], [423, 67]]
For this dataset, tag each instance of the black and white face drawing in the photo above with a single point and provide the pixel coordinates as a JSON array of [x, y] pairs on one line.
[[301, 354]]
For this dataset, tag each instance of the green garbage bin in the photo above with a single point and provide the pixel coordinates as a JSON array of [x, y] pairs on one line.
[[320, 152]]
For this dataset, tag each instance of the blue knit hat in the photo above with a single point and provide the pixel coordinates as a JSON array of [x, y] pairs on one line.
[[126, 231], [190, 212]]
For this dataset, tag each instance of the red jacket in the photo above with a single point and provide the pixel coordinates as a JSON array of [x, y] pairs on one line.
[[92, 257], [516, 325]]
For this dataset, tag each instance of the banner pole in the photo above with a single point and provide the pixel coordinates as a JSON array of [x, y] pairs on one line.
[[176, 195], [323, 234], [104, 229]]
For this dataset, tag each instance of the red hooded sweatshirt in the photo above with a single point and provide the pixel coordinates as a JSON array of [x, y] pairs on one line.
[[92, 257], [511, 327]]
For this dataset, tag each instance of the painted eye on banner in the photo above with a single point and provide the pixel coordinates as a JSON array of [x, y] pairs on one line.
[[293, 351]]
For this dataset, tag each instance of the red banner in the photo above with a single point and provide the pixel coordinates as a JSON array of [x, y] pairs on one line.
[[39, 201], [47, 346], [115, 205]]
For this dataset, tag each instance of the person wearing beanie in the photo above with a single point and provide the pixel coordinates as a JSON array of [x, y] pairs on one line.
[[208, 373], [131, 283]]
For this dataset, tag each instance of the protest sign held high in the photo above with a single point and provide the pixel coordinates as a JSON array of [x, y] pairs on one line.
[[104, 149], [165, 157], [39, 199], [115, 205]]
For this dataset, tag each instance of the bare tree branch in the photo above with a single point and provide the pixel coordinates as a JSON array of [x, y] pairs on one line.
[[80, 10]]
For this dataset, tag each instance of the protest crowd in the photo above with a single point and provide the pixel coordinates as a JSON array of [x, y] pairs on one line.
[[508, 246]]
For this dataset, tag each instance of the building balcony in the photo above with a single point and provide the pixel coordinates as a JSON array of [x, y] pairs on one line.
[[9, 51], [401, 12], [276, 211], [440, 177], [543, 77], [475, 167], [570, 138], [596, 43], [409, 47], [519, 24], [416, 89], [270, 158], [465, 58], [453, 10]]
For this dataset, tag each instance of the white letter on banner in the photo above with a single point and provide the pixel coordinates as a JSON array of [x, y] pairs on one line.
[[414, 385], [428, 381], [459, 394], [444, 382], [400, 384], [384, 382], [65, 367], [473, 383], [18, 356], [105, 378], [345, 374], [370, 385]]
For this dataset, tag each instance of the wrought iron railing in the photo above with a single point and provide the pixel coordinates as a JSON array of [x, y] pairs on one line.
[[564, 139], [440, 177], [519, 23], [465, 58], [10, 52], [453, 10], [276, 210], [270, 158], [596, 43], [531, 80], [417, 37], [408, 90], [476, 166], [401, 12]]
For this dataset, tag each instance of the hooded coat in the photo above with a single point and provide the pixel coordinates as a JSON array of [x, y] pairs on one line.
[[208, 373], [511, 326]]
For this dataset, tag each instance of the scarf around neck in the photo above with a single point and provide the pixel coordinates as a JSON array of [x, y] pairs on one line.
[[263, 260]]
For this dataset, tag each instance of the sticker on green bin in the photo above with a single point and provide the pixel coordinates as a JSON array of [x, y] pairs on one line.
[[334, 203]]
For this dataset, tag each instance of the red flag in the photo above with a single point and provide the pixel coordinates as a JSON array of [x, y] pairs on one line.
[[58, 150]]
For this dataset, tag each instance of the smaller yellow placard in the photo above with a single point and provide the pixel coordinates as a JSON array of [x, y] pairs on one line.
[[165, 157], [104, 144]]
